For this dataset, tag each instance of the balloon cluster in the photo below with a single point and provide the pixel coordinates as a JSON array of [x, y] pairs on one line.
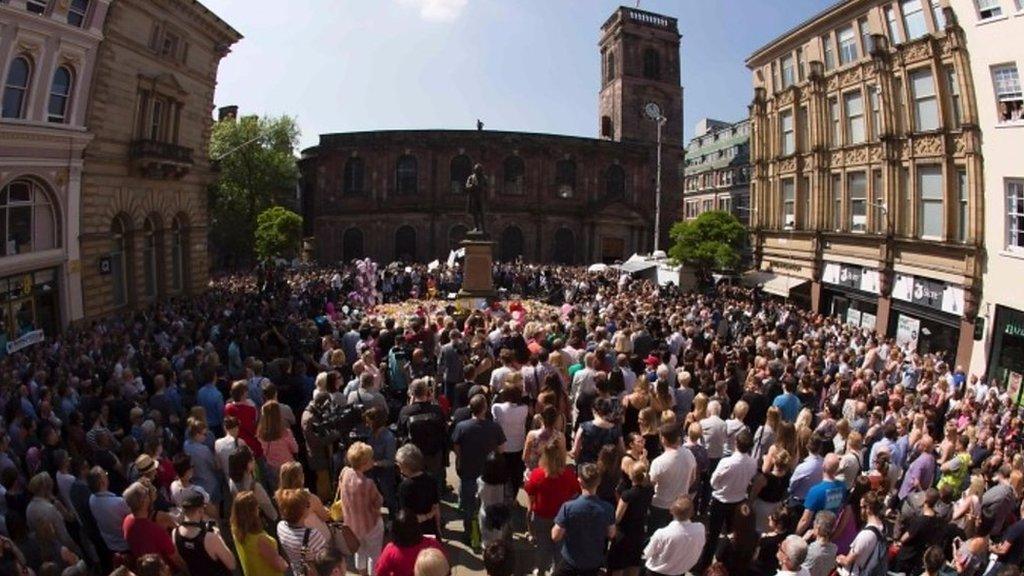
[[365, 293]]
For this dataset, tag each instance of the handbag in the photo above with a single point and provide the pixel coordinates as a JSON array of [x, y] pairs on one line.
[[337, 514]]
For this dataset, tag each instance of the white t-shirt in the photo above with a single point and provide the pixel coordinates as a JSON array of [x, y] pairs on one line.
[[671, 474], [862, 547], [512, 419]]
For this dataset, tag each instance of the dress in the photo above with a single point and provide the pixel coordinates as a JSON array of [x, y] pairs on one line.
[[628, 545]]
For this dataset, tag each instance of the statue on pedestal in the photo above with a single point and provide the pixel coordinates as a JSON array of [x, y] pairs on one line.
[[476, 197]]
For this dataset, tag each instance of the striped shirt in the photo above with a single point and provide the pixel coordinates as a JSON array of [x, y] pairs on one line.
[[360, 502], [291, 538]]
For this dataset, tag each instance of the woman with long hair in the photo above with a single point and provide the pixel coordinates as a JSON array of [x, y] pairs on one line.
[[241, 478], [549, 485], [650, 422], [785, 439], [257, 550], [317, 516], [552, 392], [699, 411], [624, 555], [633, 403], [539, 438], [769, 489], [764, 437], [609, 462], [277, 440], [736, 551]]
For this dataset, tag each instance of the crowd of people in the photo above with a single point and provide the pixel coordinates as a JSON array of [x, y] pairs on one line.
[[269, 426]]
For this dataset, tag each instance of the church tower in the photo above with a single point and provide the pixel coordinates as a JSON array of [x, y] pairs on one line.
[[640, 78]]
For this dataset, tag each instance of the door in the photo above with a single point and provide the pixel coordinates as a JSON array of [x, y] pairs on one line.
[[613, 249]]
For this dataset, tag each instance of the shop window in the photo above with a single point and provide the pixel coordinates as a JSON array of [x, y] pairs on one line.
[[28, 221]]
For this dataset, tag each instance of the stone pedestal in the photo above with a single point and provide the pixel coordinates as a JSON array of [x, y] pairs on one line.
[[477, 282]]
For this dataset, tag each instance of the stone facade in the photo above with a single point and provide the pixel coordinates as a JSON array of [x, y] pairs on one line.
[[47, 59], [866, 171], [398, 194], [717, 175], [144, 216]]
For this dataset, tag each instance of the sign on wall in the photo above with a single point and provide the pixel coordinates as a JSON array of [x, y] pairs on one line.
[[24, 341], [907, 331], [867, 320], [850, 276], [930, 293]]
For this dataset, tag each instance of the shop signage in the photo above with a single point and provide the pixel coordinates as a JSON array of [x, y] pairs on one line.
[[869, 282], [930, 293], [1014, 330], [856, 277], [907, 330], [26, 340]]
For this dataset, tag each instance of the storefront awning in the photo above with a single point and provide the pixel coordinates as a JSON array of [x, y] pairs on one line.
[[777, 284]]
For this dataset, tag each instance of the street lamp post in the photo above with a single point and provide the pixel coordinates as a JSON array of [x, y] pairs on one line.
[[657, 187]]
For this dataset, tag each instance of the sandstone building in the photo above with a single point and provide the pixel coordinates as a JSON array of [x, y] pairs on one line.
[[400, 194], [866, 170], [143, 201]]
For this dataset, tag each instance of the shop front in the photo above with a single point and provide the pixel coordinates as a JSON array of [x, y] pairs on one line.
[[1006, 359], [850, 292], [29, 302], [926, 315]]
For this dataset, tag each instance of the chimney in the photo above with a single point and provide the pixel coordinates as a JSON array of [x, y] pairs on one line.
[[227, 113]]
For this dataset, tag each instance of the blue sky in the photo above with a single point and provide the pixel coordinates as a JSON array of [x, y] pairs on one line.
[[527, 65]]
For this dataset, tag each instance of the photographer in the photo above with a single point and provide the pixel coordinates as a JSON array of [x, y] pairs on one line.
[[198, 541], [319, 447]]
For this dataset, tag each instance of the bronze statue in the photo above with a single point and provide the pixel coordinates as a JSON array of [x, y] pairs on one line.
[[476, 196]]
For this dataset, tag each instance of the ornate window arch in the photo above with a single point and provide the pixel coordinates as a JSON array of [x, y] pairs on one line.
[[16, 85], [29, 220], [60, 95], [514, 175], [406, 175]]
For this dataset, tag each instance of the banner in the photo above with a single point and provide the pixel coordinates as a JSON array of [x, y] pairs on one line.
[[1013, 387], [853, 316], [26, 340], [907, 330], [867, 320]]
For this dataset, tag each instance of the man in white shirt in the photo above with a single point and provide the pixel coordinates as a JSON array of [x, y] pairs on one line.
[[675, 549], [672, 474], [730, 483]]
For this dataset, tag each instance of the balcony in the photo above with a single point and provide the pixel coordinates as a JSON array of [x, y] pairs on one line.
[[161, 160]]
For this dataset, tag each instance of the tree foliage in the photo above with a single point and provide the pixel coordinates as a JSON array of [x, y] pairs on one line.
[[278, 233], [712, 241], [255, 159]]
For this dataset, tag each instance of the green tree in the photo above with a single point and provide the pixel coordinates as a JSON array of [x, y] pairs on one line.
[[712, 241], [254, 156], [278, 233]]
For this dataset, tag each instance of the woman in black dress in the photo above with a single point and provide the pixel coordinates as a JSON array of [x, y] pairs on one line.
[[624, 555], [737, 550]]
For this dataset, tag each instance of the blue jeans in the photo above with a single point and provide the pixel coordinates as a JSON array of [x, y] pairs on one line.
[[467, 501]]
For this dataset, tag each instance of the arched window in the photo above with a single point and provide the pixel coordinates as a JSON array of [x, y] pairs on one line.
[[28, 221], [352, 245], [76, 12], [353, 184], [611, 66], [460, 169], [149, 257], [565, 177], [119, 261], [652, 64], [406, 175], [456, 235], [16, 88], [565, 247], [511, 243], [615, 182], [515, 175], [60, 93], [607, 130], [405, 244], [178, 244]]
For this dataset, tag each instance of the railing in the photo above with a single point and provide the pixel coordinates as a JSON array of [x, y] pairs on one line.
[[649, 18], [162, 151]]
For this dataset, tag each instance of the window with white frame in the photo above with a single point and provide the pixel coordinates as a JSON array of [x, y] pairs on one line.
[[1008, 93], [835, 137], [926, 106], [788, 204], [913, 19], [857, 189], [866, 42], [962, 206], [893, 25], [787, 132], [938, 16], [60, 93], [830, 59], [1015, 215], [876, 111], [930, 205], [837, 202], [36, 6], [76, 12], [988, 9], [788, 72], [725, 204], [854, 104], [954, 97], [847, 39]]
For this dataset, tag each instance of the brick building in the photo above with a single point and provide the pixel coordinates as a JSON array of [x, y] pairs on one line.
[[143, 202], [400, 194]]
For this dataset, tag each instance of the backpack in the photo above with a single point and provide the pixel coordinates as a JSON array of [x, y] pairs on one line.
[[426, 432], [878, 561]]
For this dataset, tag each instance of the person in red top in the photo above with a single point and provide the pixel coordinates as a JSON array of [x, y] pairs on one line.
[[549, 485], [242, 408], [399, 556], [144, 536]]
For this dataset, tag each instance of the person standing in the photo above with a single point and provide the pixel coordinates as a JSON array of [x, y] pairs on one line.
[[730, 483], [550, 485], [361, 502], [672, 473], [198, 541], [675, 549], [424, 426], [473, 440], [827, 495], [583, 526], [450, 365]]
